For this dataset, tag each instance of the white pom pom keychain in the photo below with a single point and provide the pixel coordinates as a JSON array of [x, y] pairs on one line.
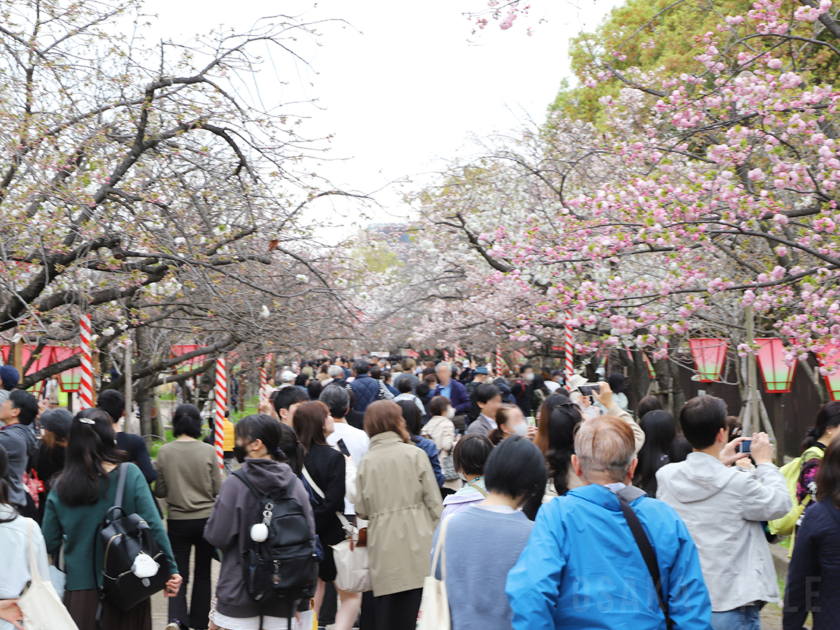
[[259, 532]]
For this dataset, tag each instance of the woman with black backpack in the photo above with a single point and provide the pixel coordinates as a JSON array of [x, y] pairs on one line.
[[245, 530], [79, 501]]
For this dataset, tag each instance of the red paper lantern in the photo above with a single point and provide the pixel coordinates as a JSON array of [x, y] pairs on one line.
[[709, 357], [829, 358], [777, 375]]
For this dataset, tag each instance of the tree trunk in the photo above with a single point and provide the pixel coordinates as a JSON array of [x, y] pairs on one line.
[[141, 387], [816, 378], [205, 384], [144, 404]]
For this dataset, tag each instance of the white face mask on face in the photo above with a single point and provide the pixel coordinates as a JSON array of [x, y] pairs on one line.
[[521, 430], [529, 376], [450, 413]]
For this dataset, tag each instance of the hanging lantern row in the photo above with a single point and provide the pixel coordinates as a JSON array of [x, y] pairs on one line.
[[68, 380]]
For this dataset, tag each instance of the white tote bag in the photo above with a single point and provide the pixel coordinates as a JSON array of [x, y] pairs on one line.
[[352, 563], [39, 603], [434, 606], [352, 566]]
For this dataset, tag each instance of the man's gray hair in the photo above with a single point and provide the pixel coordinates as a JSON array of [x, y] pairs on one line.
[[337, 399], [361, 366], [443, 364], [606, 445], [335, 371]]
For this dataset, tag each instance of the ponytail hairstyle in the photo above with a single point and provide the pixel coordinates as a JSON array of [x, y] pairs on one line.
[[264, 428], [90, 445], [828, 417], [290, 450], [4, 485], [503, 416]]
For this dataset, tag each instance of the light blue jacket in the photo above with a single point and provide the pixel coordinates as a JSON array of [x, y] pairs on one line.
[[582, 568]]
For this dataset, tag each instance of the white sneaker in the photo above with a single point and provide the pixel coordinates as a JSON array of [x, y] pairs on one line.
[[173, 626]]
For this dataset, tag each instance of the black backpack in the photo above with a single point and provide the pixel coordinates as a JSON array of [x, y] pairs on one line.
[[283, 567], [123, 539]]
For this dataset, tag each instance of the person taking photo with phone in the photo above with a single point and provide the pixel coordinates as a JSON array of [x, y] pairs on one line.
[[723, 508]]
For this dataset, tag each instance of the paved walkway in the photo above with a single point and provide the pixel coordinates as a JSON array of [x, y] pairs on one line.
[[160, 605]]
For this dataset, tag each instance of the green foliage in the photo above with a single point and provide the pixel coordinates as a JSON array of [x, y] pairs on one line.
[[661, 36], [375, 258]]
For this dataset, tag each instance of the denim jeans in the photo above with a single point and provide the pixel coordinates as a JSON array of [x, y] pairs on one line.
[[743, 618]]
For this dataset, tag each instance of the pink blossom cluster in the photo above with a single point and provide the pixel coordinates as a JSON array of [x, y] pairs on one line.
[[701, 195]]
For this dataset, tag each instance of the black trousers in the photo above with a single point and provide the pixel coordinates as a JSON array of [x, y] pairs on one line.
[[183, 536], [397, 611]]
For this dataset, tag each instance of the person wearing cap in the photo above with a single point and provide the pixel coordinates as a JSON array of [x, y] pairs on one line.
[[287, 378], [480, 375], [49, 461], [9, 379]]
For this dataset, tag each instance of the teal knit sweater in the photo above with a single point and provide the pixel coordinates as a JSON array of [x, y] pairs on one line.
[[77, 526]]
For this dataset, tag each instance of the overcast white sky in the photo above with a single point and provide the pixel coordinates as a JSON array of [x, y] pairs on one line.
[[401, 87]]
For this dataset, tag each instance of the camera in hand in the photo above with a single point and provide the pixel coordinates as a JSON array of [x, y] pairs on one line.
[[744, 447], [587, 390]]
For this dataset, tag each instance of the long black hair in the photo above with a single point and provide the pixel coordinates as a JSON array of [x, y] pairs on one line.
[[4, 485], [290, 450], [557, 442], [660, 432], [827, 417], [90, 445]]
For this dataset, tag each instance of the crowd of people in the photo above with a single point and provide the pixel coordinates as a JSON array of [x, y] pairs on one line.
[[534, 502]]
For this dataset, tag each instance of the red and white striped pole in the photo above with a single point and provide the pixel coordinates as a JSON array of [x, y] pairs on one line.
[[570, 353], [446, 356], [86, 385], [499, 360], [221, 405], [297, 368], [263, 386]]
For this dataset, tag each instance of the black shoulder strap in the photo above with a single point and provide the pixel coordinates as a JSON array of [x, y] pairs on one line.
[[648, 554], [240, 474], [121, 485]]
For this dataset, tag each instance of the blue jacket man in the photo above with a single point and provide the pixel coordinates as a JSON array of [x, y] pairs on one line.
[[582, 567], [365, 387], [454, 390]]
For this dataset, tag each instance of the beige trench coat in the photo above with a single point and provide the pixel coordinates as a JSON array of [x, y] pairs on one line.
[[397, 492]]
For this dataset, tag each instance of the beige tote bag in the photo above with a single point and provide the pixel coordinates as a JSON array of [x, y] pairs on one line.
[[434, 606]]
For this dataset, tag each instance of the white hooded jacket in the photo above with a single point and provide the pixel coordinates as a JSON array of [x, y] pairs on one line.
[[723, 509]]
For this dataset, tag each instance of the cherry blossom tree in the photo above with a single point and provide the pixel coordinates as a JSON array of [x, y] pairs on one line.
[[695, 196], [145, 185]]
